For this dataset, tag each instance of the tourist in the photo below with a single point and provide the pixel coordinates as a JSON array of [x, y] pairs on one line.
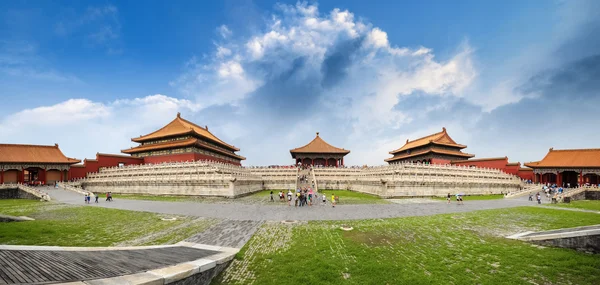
[[289, 197], [272, 200], [539, 198], [448, 198], [96, 198], [296, 201], [85, 199], [333, 200], [107, 197], [324, 199], [530, 197]]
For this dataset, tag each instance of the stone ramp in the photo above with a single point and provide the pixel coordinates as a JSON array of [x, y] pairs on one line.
[[230, 233], [133, 265], [586, 238]]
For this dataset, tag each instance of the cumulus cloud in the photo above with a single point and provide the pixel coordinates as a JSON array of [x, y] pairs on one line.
[[306, 70], [83, 127]]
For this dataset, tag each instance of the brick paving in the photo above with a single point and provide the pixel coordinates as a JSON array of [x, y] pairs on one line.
[[228, 233]]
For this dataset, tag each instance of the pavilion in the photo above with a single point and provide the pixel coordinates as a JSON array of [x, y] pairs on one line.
[[33, 164], [182, 140], [319, 152], [568, 167], [437, 148]]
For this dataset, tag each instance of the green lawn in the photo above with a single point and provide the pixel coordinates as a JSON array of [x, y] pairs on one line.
[[460, 248], [474, 197], [351, 197], [581, 204], [61, 225]]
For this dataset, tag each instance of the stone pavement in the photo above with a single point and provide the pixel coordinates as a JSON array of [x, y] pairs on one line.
[[242, 212], [228, 233]]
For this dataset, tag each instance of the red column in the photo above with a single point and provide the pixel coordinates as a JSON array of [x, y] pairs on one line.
[[342, 161], [312, 161], [21, 176], [580, 178], [61, 175], [2, 176], [558, 179], [327, 162], [45, 176]]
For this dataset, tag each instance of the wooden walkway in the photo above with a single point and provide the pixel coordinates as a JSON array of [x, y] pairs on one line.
[[54, 266]]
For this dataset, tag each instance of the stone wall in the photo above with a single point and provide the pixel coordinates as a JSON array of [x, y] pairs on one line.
[[417, 180], [220, 188], [589, 243], [14, 193], [204, 277]]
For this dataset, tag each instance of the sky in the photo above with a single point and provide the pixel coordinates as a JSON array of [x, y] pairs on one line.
[[506, 78]]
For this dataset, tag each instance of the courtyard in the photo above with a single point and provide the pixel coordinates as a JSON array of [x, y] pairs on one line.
[[414, 241]]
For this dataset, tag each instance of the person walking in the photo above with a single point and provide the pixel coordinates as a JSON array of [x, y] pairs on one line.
[[333, 200], [85, 199], [289, 197], [96, 198], [448, 198], [324, 199], [272, 200], [539, 198]]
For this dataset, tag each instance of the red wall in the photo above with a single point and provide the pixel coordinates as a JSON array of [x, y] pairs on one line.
[[439, 161], [526, 174], [102, 160], [502, 164], [512, 169], [496, 163]]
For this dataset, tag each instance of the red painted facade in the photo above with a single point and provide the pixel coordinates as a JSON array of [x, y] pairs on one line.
[[102, 160], [500, 163]]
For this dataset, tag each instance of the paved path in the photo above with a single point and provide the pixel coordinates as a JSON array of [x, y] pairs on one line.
[[51, 266], [235, 211], [227, 233]]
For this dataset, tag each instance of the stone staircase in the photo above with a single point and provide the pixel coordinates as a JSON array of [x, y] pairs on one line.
[[307, 173]]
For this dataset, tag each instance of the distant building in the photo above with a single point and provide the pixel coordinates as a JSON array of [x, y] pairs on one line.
[[438, 148], [182, 140], [572, 166], [33, 164], [319, 152]]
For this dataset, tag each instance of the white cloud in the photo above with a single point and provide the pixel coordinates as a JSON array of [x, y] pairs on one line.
[[224, 31], [83, 127]]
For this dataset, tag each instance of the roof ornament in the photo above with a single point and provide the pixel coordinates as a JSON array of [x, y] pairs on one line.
[[551, 149], [178, 115], [406, 140], [206, 127], [317, 134], [55, 144], [444, 129]]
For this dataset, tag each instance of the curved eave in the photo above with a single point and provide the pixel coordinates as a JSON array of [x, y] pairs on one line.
[[190, 132], [426, 152], [184, 144]]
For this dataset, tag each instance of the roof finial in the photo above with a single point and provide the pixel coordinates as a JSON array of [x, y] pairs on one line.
[[551, 149], [317, 134], [55, 144], [206, 127], [444, 129], [406, 140], [178, 115]]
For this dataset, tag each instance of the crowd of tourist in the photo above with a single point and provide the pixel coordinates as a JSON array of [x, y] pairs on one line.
[[303, 197]]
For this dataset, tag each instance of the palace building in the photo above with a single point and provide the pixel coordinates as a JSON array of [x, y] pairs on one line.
[[438, 148], [182, 140], [568, 167], [319, 152], [33, 164]]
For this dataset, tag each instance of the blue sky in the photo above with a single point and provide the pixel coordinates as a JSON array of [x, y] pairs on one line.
[[507, 78]]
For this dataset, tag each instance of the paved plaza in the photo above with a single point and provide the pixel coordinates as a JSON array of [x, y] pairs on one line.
[[236, 211]]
